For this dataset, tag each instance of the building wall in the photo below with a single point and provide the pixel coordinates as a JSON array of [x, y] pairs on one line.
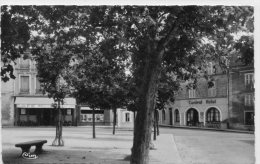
[[231, 99], [30, 113], [205, 98], [238, 93], [7, 101], [184, 105], [125, 118]]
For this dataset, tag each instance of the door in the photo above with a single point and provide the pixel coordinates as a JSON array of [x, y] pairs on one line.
[[192, 117], [46, 115], [170, 112]]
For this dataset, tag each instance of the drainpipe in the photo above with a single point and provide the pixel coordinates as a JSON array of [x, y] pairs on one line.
[[228, 78]]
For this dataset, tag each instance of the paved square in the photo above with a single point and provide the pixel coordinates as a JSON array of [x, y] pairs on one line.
[[173, 146]]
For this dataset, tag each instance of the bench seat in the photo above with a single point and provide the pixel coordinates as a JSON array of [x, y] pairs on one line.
[[25, 146]]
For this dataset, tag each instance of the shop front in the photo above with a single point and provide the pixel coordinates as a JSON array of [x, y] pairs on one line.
[[101, 116], [206, 112], [40, 111]]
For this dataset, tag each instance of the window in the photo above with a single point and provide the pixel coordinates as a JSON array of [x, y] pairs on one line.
[[127, 117], [249, 118], [24, 84], [23, 111], [249, 100], [163, 115], [212, 90], [177, 116], [249, 79], [24, 64], [213, 115], [192, 93], [68, 111], [38, 87]]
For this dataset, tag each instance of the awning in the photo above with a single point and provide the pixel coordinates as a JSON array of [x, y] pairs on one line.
[[42, 102]]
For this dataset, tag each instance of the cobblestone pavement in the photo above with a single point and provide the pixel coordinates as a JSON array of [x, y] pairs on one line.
[[173, 146]]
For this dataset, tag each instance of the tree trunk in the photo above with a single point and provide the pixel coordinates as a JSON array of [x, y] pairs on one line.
[[154, 126], [157, 124], [58, 141], [93, 123], [146, 106], [154, 131], [114, 120]]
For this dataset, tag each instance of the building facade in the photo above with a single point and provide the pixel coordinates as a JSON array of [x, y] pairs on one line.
[[24, 104], [228, 104], [242, 95], [202, 106], [124, 118]]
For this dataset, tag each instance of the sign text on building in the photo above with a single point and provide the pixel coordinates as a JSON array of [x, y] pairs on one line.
[[211, 101]]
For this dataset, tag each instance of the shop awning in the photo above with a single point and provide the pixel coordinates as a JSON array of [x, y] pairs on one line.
[[42, 102]]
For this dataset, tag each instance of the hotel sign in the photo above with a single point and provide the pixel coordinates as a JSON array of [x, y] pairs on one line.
[[195, 102], [208, 101]]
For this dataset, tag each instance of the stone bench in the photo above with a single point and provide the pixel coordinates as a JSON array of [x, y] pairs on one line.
[[25, 146]]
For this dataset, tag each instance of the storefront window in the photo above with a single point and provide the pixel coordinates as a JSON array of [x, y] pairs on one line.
[[87, 116], [23, 111], [68, 111], [213, 115]]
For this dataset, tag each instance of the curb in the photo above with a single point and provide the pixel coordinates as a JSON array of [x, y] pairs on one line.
[[209, 129]]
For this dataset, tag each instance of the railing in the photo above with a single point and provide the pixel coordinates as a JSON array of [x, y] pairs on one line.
[[216, 125], [24, 91]]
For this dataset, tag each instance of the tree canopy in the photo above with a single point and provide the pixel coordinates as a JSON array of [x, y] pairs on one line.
[[160, 44]]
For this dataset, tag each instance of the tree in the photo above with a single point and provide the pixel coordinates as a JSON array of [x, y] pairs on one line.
[[99, 79], [51, 66], [155, 38], [116, 92], [14, 37], [160, 37]]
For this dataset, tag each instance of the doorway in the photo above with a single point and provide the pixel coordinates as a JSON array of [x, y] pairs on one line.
[[192, 117], [170, 112]]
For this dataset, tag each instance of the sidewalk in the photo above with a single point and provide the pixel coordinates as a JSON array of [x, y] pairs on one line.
[[80, 147], [205, 128], [166, 151]]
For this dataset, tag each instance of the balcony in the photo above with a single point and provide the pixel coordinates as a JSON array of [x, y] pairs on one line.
[[24, 91]]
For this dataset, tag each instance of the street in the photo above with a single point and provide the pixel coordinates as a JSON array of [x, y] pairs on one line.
[[173, 146]]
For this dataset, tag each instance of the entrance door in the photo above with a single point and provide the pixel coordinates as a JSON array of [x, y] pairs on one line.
[[170, 112], [46, 115], [192, 117]]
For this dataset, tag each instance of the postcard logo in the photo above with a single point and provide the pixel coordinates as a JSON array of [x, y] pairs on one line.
[[26, 155]]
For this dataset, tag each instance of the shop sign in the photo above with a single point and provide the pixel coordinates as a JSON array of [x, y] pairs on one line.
[[195, 102], [211, 101]]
